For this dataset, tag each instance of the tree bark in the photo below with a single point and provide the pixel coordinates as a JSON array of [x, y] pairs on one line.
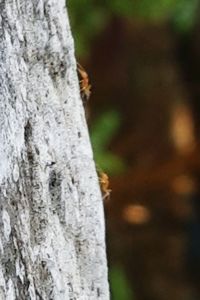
[[52, 223]]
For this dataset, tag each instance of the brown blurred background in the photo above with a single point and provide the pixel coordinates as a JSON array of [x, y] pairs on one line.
[[143, 60]]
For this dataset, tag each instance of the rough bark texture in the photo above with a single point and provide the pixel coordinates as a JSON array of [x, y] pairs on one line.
[[51, 215]]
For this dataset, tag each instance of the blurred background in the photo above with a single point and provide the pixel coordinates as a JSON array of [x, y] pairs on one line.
[[143, 61]]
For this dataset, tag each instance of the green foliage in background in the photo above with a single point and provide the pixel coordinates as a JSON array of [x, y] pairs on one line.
[[89, 17], [120, 288], [185, 14], [102, 132], [158, 10]]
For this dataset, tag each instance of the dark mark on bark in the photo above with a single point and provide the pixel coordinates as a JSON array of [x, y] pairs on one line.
[[27, 132], [55, 190], [98, 292]]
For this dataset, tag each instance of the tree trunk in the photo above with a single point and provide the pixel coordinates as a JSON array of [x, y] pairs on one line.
[[52, 224]]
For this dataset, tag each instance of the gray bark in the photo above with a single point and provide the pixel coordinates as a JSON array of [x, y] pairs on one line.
[[51, 215]]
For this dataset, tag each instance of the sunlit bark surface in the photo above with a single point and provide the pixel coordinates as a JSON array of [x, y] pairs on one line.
[[52, 227]]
